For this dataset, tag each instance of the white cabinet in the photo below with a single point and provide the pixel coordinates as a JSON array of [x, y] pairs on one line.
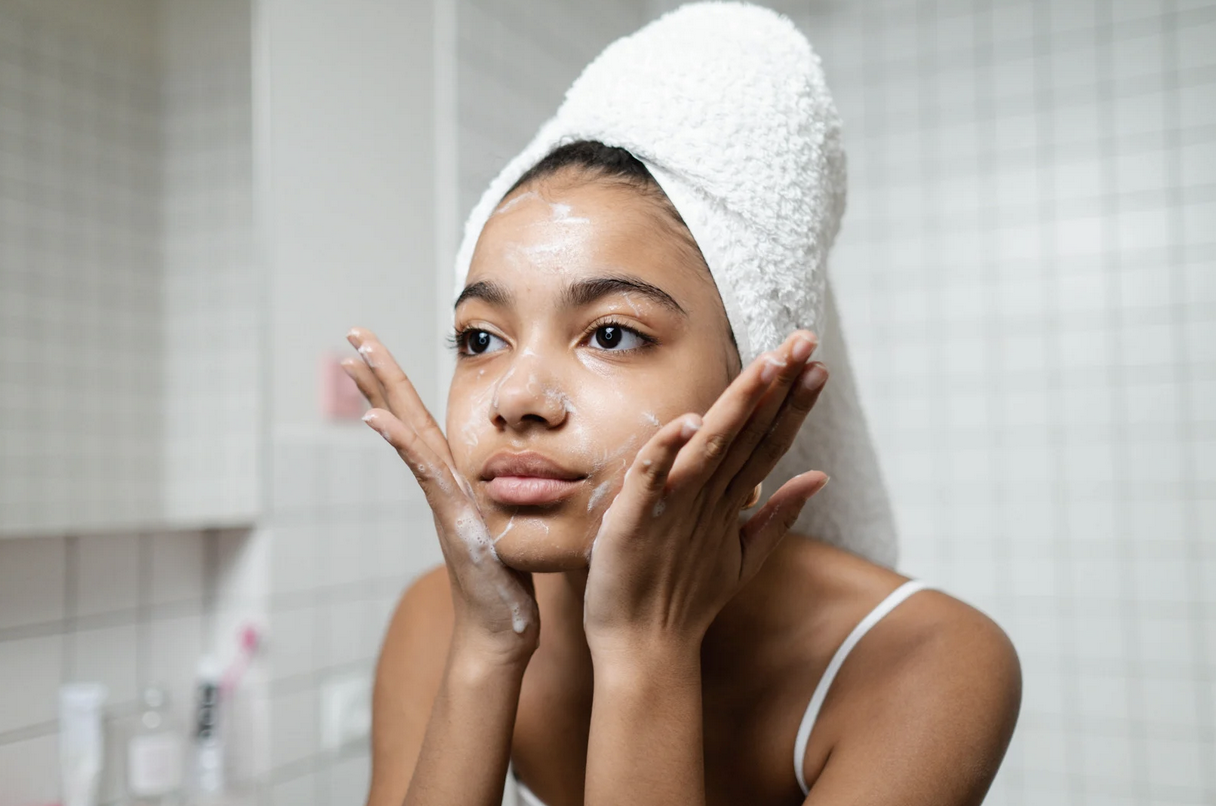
[[129, 295]]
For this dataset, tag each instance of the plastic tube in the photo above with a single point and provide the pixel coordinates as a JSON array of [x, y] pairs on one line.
[[208, 743], [80, 742]]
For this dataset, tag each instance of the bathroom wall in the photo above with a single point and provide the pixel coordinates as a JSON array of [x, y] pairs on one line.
[[126, 609], [80, 280], [515, 61], [211, 295], [125, 276], [127, 271], [1027, 275], [344, 160]]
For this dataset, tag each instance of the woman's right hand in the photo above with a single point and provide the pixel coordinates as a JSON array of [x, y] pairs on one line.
[[495, 606]]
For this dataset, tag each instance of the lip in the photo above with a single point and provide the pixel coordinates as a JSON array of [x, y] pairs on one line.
[[528, 479]]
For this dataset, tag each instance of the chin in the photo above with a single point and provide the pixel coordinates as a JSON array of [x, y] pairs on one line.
[[538, 544]]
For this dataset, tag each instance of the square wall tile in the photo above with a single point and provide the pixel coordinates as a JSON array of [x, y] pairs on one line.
[[32, 580], [30, 674], [107, 574], [108, 655], [177, 567], [30, 770]]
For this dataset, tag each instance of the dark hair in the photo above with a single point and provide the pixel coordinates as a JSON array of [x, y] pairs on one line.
[[595, 160], [591, 156]]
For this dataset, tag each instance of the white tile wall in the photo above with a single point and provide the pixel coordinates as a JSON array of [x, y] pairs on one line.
[[1024, 271], [79, 276], [515, 61], [128, 292], [347, 241], [211, 291], [124, 167]]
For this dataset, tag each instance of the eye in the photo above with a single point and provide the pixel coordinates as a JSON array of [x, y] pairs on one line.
[[617, 337], [477, 342]]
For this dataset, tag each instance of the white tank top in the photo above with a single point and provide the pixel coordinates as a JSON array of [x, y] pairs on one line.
[[525, 797]]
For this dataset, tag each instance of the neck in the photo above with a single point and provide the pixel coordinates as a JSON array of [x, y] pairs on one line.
[[563, 640]]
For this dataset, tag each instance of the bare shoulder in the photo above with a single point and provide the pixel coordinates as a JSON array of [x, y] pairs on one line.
[[408, 676], [930, 696]]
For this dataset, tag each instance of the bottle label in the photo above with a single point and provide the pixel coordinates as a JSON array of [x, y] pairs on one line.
[[154, 764]]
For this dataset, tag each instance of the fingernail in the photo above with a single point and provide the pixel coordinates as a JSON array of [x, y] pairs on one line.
[[352, 335], [814, 377], [802, 349], [770, 369], [369, 417]]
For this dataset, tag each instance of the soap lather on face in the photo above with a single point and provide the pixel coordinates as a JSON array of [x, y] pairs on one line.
[[586, 324]]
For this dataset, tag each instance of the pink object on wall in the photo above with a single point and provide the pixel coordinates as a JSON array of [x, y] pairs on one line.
[[340, 397]]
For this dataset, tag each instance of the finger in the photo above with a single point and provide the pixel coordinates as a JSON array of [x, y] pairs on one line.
[[403, 400], [781, 435], [362, 375], [726, 418], [647, 477], [795, 352], [432, 473], [761, 534]]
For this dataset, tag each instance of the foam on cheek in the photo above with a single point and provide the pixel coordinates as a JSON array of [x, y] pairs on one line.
[[598, 493], [478, 413], [649, 417]]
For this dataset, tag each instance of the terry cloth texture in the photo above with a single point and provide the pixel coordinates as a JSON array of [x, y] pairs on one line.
[[726, 105]]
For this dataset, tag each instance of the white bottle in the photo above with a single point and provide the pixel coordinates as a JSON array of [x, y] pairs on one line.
[[154, 754], [80, 742]]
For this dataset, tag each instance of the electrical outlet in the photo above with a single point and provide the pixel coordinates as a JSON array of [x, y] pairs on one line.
[[346, 710]]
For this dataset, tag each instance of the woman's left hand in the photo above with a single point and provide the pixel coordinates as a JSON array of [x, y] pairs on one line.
[[670, 551]]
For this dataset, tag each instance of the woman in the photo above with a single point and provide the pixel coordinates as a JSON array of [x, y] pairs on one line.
[[606, 619]]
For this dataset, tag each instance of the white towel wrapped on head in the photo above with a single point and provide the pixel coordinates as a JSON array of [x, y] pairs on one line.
[[725, 103]]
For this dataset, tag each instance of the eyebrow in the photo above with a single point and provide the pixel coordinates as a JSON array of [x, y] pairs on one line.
[[487, 291], [579, 294], [585, 292]]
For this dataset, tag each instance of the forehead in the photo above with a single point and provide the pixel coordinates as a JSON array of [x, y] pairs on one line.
[[554, 233]]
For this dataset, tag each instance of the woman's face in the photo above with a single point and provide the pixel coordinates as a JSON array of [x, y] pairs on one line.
[[586, 323]]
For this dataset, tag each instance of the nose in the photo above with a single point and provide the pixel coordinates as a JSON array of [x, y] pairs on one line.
[[528, 396]]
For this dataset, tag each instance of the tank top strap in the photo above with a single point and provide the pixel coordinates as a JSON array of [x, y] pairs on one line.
[[821, 690]]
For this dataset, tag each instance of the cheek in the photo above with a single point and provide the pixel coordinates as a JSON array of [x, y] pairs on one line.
[[613, 420], [467, 420]]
